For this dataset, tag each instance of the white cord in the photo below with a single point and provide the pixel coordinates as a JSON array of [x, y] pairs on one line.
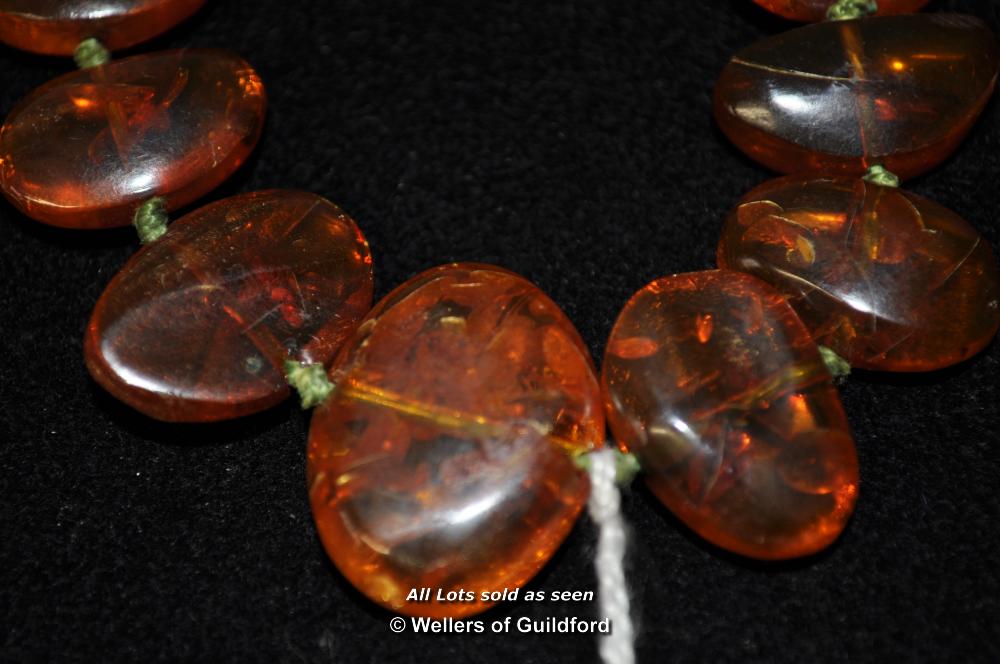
[[605, 502]]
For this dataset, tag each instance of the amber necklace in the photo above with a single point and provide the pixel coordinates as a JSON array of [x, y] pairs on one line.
[[456, 418]]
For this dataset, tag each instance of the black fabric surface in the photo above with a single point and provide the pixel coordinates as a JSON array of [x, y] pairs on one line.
[[571, 142]]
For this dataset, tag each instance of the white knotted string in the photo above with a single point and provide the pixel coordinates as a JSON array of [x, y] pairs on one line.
[[604, 506]]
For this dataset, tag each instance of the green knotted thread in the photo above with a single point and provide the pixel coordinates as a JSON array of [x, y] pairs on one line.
[[310, 381], [150, 220], [877, 174], [845, 10], [90, 53], [626, 466], [839, 367]]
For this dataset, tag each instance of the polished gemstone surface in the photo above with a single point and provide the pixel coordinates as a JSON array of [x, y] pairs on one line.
[[815, 10], [887, 279], [55, 27], [197, 325], [714, 383], [838, 97], [85, 149], [443, 460]]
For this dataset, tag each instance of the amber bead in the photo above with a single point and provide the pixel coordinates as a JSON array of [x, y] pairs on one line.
[[715, 384], [55, 27], [815, 10], [197, 325], [444, 459], [85, 149], [887, 279], [837, 97]]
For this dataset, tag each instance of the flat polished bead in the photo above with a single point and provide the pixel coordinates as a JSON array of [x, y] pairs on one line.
[[55, 27], [714, 383], [85, 149], [443, 460], [197, 325], [838, 97], [887, 279], [815, 10]]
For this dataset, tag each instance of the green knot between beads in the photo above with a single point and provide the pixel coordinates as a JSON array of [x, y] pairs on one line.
[[310, 381], [877, 174], [90, 53], [626, 466], [838, 367], [150, 220], [845, 10]]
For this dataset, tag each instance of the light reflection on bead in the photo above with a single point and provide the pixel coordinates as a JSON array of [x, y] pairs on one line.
[[55, 27], [443, 460], [83, 150], [732, 414], [836, 98], [887, 279], [197, 325]]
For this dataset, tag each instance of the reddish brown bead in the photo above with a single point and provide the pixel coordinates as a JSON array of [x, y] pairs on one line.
[[197, 325], [838, 97], [85, 149], [887, 279], [55, 27], [815, 10], [714, 383], [443, 460]]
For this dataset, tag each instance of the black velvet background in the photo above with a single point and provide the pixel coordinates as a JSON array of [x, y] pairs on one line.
[[573, 143]]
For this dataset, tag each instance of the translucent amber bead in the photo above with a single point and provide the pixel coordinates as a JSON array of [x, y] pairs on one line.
[[443, 460], [197, 325], [886, 278], [714, 383], [55, 27], [815, 10], [86, 148], [837, 97]]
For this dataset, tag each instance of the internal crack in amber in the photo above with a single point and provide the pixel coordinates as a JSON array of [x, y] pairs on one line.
[[445, 457], [887, 279], [197, 325], [85, 149], [836, 98], [738, 428], [433, 415]]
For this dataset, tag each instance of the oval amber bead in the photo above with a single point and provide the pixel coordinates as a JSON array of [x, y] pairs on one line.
[[443, 460], [887, 279], [815, 10], [714, 383], [55, 27], [837, 97], [85, 149], [197, 325]]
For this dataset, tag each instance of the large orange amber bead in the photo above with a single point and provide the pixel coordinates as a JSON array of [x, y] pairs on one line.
[[85, 149], [197, 325], [837, 97], [714, 383], [55, 27], [443, 460], [815, 10], [887, 279]]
